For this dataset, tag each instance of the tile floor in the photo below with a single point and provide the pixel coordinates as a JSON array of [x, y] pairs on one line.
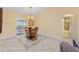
[[22, 44]]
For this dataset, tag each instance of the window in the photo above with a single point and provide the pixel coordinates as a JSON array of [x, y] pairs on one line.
[[21, 24]]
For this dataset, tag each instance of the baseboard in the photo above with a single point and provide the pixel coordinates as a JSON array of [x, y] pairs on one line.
[[50, 35], [7, 37]]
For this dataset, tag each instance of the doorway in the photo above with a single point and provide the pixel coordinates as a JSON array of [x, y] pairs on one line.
[[70, 27], [67, 26]]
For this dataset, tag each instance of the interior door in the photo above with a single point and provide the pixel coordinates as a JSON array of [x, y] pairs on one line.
[[0, 20]]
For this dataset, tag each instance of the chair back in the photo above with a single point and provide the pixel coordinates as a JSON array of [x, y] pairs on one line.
[[27, 30], [35, 29]]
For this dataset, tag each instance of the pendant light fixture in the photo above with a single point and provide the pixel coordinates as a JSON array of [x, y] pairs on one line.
[[30, 17]]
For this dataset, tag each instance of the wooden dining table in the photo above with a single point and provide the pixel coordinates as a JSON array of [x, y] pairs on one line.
[[32, 32]]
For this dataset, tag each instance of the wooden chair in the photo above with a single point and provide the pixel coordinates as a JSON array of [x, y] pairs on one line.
[[27, 31], [34, 33]]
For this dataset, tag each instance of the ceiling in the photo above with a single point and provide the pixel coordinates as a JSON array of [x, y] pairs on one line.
[[35, 11]]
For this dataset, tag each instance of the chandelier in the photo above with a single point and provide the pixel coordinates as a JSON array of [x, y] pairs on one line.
[[30, 17], [30, 13]]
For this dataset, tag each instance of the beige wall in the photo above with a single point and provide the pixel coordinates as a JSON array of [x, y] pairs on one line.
[[50, 21], [9, 22]]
